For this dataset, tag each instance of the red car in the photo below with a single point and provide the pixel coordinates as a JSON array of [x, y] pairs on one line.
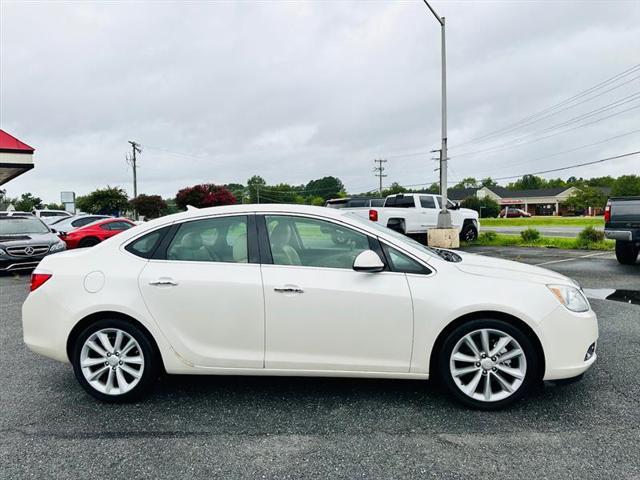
[[94, 233], [514, 213]]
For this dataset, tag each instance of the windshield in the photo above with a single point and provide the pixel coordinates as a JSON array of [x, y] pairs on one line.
[[398, 236], [21, 225]]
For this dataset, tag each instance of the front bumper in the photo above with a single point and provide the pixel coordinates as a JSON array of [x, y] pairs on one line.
[[11, 264], [566, 337]]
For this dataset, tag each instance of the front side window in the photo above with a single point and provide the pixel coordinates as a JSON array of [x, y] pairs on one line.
[[313, 243], [211, 240]]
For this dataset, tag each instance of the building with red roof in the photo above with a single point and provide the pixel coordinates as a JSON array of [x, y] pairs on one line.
[[16, 157]]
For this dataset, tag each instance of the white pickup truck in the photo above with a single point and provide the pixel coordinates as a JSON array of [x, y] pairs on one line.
[[415, 213]]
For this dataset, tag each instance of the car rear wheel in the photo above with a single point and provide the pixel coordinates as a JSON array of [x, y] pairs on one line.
[[488, 364], [626, 252], [114, 361], [88, 242]]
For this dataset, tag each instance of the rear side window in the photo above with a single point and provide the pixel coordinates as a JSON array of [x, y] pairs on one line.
[[146, 245], [427, 201], [81, 222], [400, 202], [222, 239]]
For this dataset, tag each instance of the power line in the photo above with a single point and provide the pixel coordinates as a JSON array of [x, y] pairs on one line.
[[624, 155], [602, 84], [508, 146]]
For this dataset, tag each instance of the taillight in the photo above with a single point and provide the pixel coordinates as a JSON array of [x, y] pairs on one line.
[[37, 279], [373, 215], [607, 212]]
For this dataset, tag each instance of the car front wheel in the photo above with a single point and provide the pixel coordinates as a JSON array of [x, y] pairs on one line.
[[488, 364], [114, 361]]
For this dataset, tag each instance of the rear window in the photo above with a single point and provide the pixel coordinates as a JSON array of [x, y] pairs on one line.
[[400, 202], [358, 203]]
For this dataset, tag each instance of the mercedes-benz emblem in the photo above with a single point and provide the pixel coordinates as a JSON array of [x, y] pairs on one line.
[[29, 250]]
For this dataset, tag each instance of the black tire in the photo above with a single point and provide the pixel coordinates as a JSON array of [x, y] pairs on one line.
[[88, 242], [532, 374], [626, 252], [469, 232], [151, 362]]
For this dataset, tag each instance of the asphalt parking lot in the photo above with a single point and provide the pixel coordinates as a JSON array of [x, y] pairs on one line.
[[248, 427]]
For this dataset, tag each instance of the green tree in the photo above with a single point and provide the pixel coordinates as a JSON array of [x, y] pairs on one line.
[[54, 206], [555, 183], [625, 186], [607, 181], [281, 193], [325, 187], [149, 206], [584, 197], [488, 182], [254, 185], [28, 202], [468, 182], [486, 206], [317, 201], [527, 182], [106, 201], [238, 191], [394, 189]]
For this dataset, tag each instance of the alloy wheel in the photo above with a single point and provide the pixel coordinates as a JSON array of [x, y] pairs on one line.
[[112, 361], [488, 365]]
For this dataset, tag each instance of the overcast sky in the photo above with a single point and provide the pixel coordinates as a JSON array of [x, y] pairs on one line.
[[219, 91]]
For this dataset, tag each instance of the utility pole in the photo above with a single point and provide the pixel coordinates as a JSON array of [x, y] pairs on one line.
[[135, 149], [379, 171], [444, 216]]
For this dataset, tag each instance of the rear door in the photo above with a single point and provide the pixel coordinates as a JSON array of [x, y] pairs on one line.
[[204, 289]]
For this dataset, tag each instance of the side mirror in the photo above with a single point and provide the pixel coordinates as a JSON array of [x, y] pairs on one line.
[[368, 261]]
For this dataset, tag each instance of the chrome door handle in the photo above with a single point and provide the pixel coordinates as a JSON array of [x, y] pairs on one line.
[[163, 281], [288, 290]]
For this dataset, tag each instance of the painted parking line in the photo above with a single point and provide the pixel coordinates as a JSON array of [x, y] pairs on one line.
[[573, 258]]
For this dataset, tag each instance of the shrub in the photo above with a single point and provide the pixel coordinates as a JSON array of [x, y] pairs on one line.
[[204, 195], [530, 235], [591, 235], [588, 237], [487, 236]]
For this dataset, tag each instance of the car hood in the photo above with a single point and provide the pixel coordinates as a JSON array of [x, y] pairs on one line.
[[509, 270], [28, 239], [468, 212]]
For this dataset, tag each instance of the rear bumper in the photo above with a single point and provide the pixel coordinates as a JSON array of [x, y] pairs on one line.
[[624, 235]]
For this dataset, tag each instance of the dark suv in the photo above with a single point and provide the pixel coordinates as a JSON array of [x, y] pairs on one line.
[[24, 241]]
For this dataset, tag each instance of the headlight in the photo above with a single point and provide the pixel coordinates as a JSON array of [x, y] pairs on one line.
[[56, 247], [570, 297]]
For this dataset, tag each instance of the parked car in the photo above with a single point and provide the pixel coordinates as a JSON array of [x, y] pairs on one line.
[[513, 213], [306, 291], [50, 216], [415, 213], [14, 213], [622, 224], [24, 241], [96, 232], [65, 225], [355, 202]]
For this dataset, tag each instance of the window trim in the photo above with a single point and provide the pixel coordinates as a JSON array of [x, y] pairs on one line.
[[265, 244]]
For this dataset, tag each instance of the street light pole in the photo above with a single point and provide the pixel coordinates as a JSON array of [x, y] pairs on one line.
[[444, 216]]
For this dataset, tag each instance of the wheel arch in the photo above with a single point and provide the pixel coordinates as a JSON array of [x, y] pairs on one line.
[[89, 238], [487, 315], [94, 317]]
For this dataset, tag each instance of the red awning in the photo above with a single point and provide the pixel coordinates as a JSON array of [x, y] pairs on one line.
[[9, 143]]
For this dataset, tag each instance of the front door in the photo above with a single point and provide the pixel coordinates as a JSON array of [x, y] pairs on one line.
[[206, 296], [321, 314]]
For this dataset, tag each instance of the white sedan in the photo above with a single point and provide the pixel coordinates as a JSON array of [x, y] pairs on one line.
[[297, 290]]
